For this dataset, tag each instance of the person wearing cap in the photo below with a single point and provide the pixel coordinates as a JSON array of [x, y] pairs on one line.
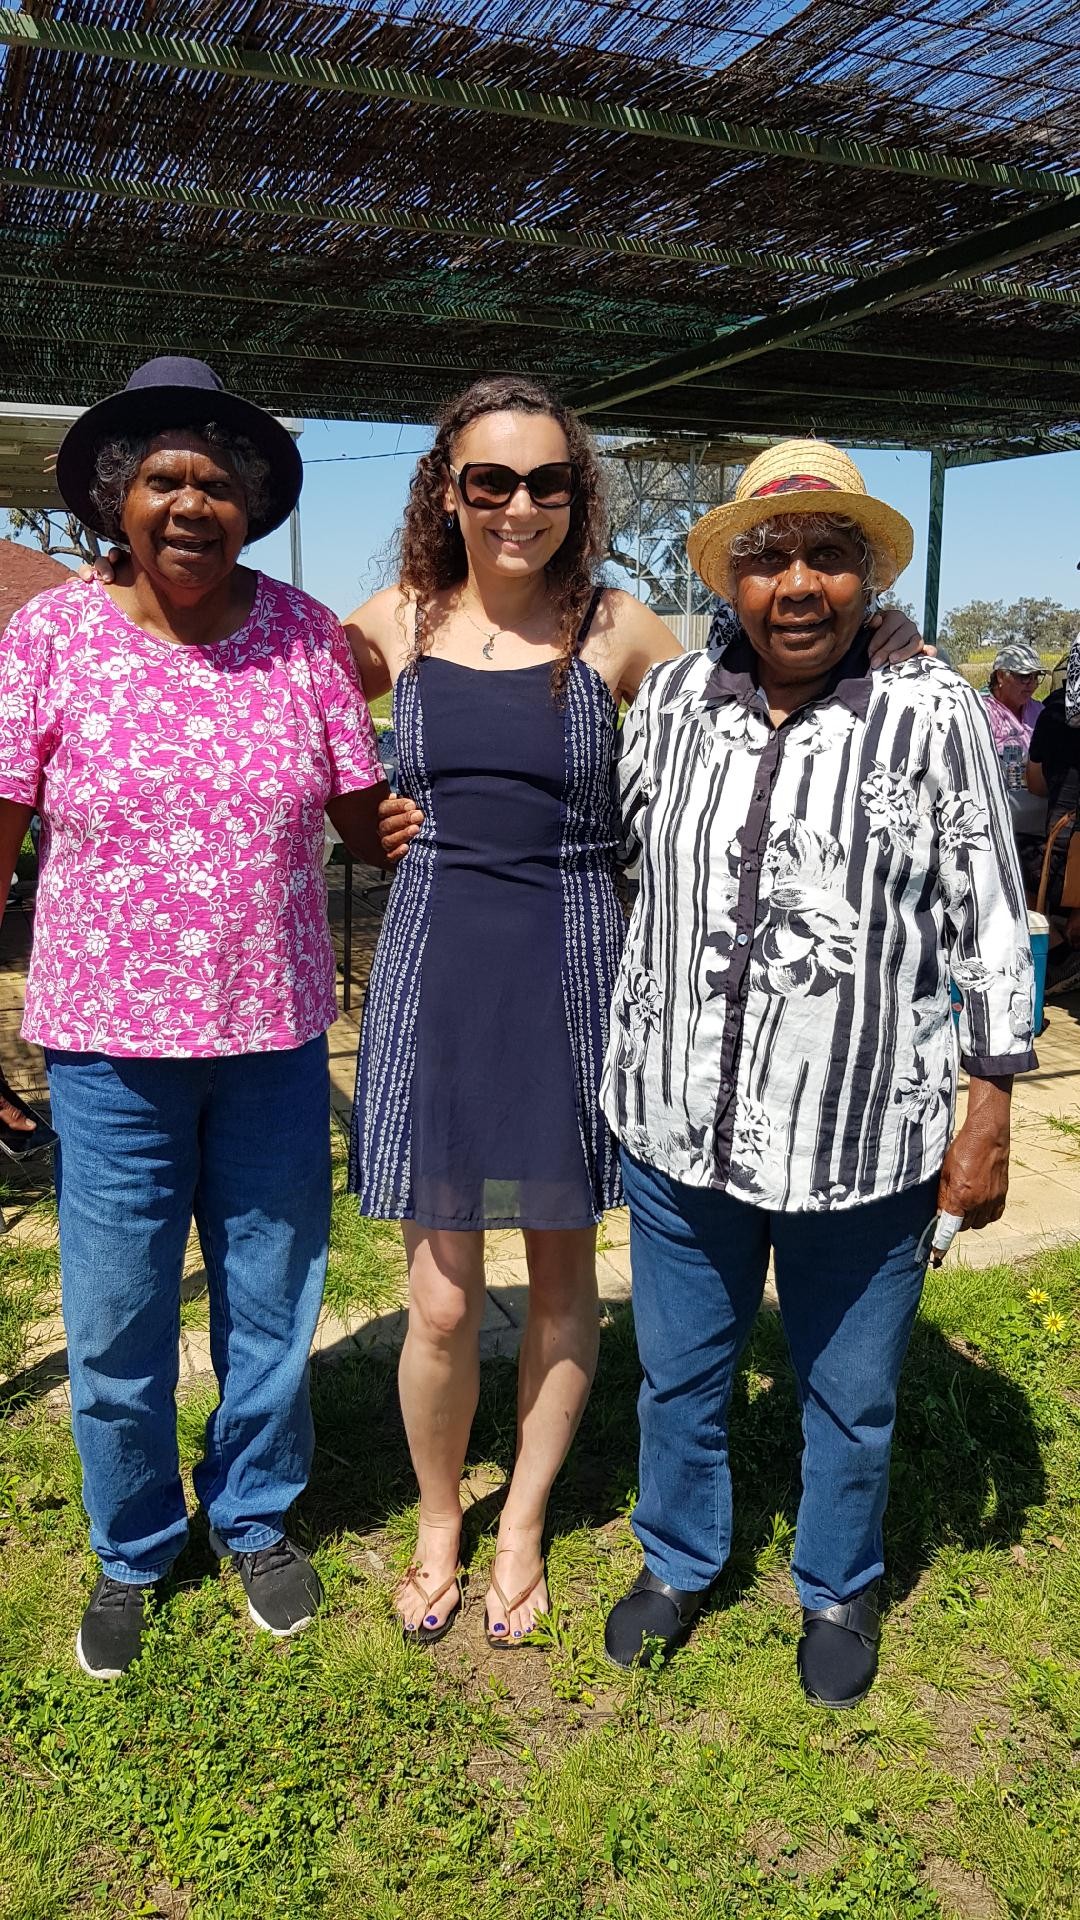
[[181, 731], [818, 847], [1010, 697], [1012, 712]]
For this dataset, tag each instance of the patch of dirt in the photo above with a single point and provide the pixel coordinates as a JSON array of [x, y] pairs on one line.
[[713, 1728], [957, 1750], [771, 1846], [964, 1895]]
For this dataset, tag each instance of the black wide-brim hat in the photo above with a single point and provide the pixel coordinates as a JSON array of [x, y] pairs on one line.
[[176, 392]]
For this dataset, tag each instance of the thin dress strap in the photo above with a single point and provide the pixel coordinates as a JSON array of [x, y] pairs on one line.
[[590, 614]]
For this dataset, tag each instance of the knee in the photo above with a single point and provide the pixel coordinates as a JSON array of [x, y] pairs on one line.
[[562, 1281], [563, 1297], [441, 1311]]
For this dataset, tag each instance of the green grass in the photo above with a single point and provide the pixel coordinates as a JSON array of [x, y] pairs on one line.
[[366, 1268], [347, 1775], [29, 1277]]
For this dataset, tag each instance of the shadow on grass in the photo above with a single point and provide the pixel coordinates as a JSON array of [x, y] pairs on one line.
[[967, 1463]]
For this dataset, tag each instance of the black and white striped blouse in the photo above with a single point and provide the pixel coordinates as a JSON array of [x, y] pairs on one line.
[[781, 1025]]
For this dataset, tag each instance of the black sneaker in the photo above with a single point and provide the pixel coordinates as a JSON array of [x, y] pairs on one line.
[[283, 1589], [110, 1637]]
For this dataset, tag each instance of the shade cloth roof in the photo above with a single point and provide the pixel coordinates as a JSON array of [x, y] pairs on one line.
[[840, 215]]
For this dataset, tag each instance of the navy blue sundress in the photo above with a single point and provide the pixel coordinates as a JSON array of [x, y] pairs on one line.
[[486, 1017]]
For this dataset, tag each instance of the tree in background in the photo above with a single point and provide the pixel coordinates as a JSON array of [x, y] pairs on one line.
[[985, 625], [54, 532], [653, 504]]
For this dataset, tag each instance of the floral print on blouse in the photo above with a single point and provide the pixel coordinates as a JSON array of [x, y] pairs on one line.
[[181, 907]]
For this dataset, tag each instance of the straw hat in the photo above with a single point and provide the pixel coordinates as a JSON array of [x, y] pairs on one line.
[[798, 476]]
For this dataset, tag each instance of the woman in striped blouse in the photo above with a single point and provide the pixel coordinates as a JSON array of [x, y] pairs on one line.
[[819, 848]]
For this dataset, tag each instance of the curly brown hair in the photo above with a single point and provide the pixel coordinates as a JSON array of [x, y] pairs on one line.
[[432, 552]]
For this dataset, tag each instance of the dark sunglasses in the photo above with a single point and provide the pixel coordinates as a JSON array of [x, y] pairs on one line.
[[484, 483]]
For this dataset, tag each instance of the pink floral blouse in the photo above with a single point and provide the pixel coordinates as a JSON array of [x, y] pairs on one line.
[[181, 909]]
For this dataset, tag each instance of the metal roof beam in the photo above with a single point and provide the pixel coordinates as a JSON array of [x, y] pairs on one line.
[[1046, 226], [925, 356], [427, 359], [590, 241], [346, 213], [766, 415], [587, 319], [315, 74], [943, 401], [584, 320], [982, 456], [346, 401], [749, 388]]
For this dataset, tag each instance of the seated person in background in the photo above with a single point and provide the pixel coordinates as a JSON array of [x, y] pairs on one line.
[[1012, 712], [1053, 775]]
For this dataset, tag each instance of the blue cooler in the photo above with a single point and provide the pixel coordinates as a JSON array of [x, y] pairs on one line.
[[1039, 935], [1039, 932]]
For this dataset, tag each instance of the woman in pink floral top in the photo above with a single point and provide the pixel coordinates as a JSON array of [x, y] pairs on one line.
[[182, 732]]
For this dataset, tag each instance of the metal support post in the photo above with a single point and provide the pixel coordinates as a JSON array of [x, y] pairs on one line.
[[933, 547], [691, 502], [640, 490], [296, 554]]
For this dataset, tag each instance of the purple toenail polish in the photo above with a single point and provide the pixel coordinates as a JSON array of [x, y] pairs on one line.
[[498, 1627], [517, 1633], [431, 1620]]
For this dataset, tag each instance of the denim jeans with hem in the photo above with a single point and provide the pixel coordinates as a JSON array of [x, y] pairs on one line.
[[849, 1284], [242, 1144]]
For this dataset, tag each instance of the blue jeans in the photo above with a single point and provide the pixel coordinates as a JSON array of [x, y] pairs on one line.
[[243, 1145], [849, 1285]]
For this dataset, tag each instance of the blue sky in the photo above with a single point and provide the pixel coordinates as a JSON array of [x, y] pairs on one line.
[[1011, 529]]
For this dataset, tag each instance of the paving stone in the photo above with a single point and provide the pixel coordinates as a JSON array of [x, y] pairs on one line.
[[384, 1331], [195, 1351]]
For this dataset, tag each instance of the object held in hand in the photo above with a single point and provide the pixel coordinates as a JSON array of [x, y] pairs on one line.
[[19, 1143], [945, 1232]]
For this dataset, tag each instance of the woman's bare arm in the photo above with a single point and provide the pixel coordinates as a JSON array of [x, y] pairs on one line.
[[625, 640], [377, 636]]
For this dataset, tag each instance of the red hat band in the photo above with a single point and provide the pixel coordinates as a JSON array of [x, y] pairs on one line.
[[794, 483]]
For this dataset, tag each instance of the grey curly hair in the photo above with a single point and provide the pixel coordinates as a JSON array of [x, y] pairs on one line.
[[118, 461], [875, 564]]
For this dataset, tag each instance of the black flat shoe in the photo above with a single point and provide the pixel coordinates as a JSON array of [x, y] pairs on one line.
[[652, 1612], [838, 1652]]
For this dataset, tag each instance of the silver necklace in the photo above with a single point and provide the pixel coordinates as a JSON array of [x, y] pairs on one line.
[[492, 634]]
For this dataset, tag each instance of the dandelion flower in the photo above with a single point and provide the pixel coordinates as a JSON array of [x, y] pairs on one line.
[[1054, 1322], [1038, 1296]]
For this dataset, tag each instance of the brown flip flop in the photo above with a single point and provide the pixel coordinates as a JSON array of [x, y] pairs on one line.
[[425, 1636], [503, 1642]]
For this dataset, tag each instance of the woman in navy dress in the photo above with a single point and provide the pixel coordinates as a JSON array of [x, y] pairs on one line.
[[486, 1016]]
